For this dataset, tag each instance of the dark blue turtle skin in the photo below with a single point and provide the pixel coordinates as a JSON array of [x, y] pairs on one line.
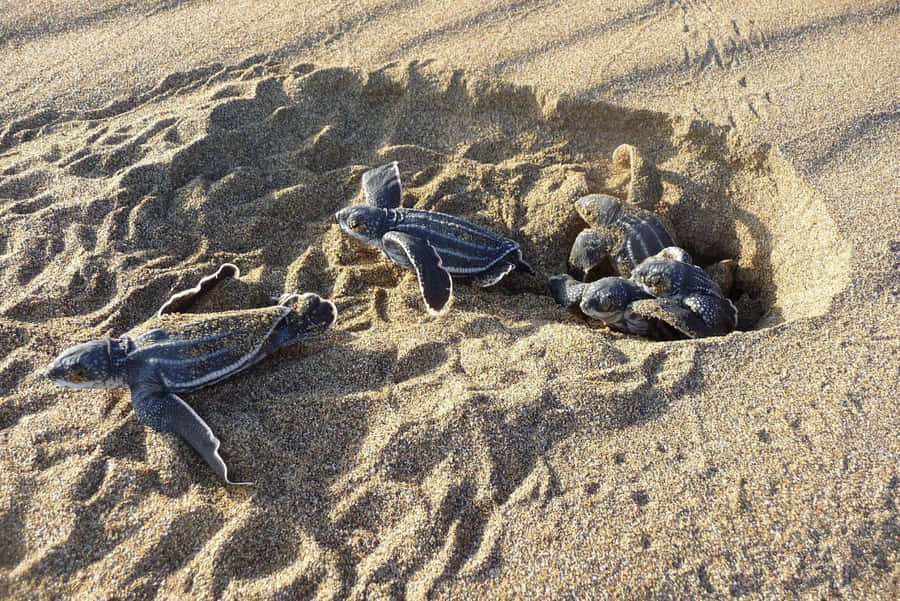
[[176, 352], [685, 296], [437, 246], [607, 300], [621, 305]]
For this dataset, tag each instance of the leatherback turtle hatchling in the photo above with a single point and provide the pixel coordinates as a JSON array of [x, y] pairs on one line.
[[619, 233], [685, 296], [607, 300], [622, 305], [173, 352], [435, 245]]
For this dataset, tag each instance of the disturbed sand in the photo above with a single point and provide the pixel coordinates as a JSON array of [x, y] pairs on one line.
[[507, 449]]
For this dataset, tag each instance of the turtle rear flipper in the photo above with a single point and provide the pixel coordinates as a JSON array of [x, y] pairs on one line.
[[494, 273], [645, 187], [181, 302], [435, 282], [167, 412], [522, 265], [381, 186], [673, 314], [310, 314]]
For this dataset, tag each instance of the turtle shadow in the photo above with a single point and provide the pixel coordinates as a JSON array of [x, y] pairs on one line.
[[299, 448], [650, 400], [257, 409]]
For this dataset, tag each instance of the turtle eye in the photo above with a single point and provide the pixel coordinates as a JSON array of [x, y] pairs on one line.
[[657, 281], [356, 224], [77, 375]]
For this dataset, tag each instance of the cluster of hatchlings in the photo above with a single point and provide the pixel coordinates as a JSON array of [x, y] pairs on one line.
[[656, 291]]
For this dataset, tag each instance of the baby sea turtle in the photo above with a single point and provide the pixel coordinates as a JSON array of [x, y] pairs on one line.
[[685, 296], [607, 300], [622, 305], [435, 245], [619, 233], [174, 352], [723, 273]]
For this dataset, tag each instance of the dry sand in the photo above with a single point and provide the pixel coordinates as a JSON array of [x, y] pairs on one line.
[[506, 450]]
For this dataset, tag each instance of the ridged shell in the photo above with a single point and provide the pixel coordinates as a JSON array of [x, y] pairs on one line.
[[188, 351], [464, 247]]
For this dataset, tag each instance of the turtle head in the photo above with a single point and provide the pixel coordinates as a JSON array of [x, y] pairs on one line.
[[660, 277], [365, 223], [598, 209], [675, 253], [608, 298], [94, 364]]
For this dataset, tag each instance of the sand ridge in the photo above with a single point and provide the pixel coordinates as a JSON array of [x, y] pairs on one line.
[[505, 450]]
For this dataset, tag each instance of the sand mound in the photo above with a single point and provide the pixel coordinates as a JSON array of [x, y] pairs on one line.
[[391, 455]]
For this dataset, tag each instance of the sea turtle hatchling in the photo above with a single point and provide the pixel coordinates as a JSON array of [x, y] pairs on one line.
[[622, 305], [606, 300], [174, 352], [685, 296], [619, 233], [437, 246]]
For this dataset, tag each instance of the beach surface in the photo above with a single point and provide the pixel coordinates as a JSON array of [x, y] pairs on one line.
[[509, 449]]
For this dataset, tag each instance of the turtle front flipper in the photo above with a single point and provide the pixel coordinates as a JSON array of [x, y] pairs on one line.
[[381, 186], [672, 313], [167, 412], [717, 312], [435, 282], [589, 251], [566, 290], [180, 302]]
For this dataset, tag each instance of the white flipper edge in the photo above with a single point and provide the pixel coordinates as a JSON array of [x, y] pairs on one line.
[[167, 412], [435, 282]]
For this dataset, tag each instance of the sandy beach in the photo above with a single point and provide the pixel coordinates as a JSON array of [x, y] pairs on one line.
[[509, 449]]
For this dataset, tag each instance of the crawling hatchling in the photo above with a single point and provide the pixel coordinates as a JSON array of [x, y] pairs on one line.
[[175, 352], [437, 246]]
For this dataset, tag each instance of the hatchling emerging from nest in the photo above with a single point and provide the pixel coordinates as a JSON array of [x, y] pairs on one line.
[[619, 234], [666, 297]]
